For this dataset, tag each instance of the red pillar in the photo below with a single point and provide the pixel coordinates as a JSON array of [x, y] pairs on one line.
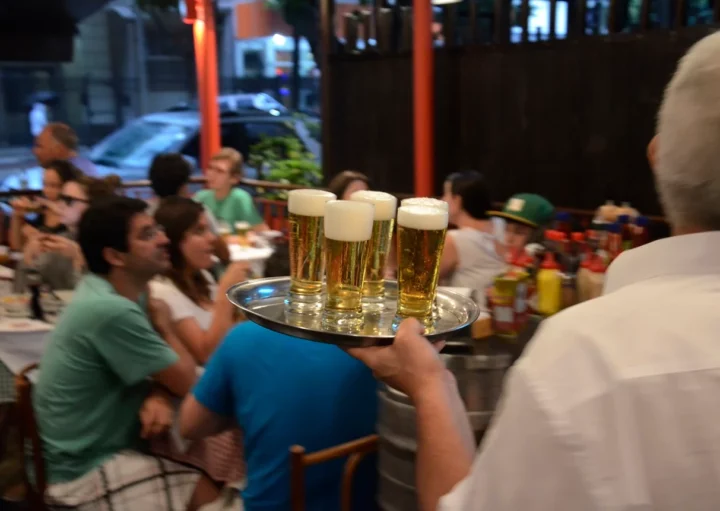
[[423, 85], [200, 13]]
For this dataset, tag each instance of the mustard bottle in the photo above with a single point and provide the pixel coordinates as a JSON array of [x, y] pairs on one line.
[[549, 286]]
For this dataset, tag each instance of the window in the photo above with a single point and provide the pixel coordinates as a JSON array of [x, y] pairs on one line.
[[138, 143]]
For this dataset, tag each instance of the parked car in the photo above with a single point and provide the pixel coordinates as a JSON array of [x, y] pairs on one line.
[[129, 150]]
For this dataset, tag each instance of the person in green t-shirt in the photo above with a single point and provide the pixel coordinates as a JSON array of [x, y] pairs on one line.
[[106, 375], [227, 203]]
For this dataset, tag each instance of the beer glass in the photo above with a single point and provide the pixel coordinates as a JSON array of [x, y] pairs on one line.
[[306, 209], [379, 247], [348, 229], [433, 203], [426, 201], [421, 238]]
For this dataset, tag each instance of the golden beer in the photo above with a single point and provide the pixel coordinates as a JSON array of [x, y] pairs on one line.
[[345, 274], [379, 248], [306, 209], [348, 228], [421, 238]]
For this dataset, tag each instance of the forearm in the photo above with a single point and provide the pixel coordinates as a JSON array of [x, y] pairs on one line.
[[445, 442], [182, 385], [221, 323]]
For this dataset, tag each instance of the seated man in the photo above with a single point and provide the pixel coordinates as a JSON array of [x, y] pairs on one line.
[[283, 391], [105, 373], [229, 204]]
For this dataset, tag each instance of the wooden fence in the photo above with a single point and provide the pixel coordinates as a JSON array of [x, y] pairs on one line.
[[565, 115]]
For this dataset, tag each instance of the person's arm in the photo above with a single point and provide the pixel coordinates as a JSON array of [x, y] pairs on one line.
[[202, 343], [449, 259], [446, 446], [179, 377], [197, 421], [210, 407]]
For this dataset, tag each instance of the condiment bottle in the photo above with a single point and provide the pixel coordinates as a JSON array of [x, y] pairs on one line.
[[549, 286], [563, 222], [641, 235], [626, 231], [614, 241], [583, 277], [597, 278]]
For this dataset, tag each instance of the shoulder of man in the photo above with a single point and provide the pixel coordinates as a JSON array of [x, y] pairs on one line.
[[238, 194]]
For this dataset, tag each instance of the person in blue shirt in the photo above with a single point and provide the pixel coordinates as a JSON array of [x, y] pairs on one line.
[[283, 391]]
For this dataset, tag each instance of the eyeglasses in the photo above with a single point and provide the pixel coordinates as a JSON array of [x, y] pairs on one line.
[[70, 200], [150, 232]]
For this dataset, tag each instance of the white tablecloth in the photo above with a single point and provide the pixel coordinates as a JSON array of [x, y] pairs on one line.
[[21, 343]]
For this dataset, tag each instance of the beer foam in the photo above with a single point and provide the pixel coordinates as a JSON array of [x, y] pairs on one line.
[[385, 204], [348, 220], [308, 202], [422, 218], [425, 201]]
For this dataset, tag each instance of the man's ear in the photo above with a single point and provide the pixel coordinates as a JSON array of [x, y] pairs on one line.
[[114, 257], [235, 179], [652, 150]]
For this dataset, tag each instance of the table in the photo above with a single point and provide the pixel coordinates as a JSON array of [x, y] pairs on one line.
[[22, 342]]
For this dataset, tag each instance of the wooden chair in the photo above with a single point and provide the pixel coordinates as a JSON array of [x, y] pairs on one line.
[[299, 461], [274, 213], [29, 432]]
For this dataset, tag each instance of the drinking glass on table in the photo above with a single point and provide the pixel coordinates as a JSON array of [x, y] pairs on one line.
[[348, 229], [306, 211], [421, 239], [383, 221]]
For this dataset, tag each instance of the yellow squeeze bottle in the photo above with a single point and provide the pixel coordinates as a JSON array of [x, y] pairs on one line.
[[549, 286]]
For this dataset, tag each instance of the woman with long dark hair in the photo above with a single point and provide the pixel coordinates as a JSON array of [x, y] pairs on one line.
[[200, 312], [471, 257]]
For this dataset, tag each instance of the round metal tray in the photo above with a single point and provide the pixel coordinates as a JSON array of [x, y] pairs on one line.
[[263, 301]]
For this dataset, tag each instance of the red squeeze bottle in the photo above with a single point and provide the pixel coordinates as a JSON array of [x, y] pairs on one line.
[[641, 235]]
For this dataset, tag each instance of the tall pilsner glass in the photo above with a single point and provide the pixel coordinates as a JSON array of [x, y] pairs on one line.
[[433, 203], [379, 248], [421, 238], [306, 211], [348, 228]]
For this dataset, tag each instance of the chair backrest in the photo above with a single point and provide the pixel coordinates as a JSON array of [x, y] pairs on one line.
[[274, 213], [29, 434], [299, 460]]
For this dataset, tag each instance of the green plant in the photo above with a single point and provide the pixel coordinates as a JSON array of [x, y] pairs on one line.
[[284, 160]]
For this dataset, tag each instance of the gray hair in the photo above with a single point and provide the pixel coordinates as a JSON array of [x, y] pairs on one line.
[[688, 163]]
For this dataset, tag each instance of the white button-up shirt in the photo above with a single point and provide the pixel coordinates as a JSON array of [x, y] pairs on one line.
[[615, 404]]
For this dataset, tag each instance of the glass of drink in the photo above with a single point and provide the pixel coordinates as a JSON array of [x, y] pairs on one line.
[[432, 203], [379, 247], [306, 209], [421, 238], [348, 229]]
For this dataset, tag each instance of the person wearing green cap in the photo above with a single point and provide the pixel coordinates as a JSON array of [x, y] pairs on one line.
[[524, 214]]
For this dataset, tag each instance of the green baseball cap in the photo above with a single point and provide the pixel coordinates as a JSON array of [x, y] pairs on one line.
[[526, 208]]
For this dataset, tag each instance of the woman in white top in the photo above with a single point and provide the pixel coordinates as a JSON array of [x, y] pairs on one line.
[[201, 313], [471, 257]]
